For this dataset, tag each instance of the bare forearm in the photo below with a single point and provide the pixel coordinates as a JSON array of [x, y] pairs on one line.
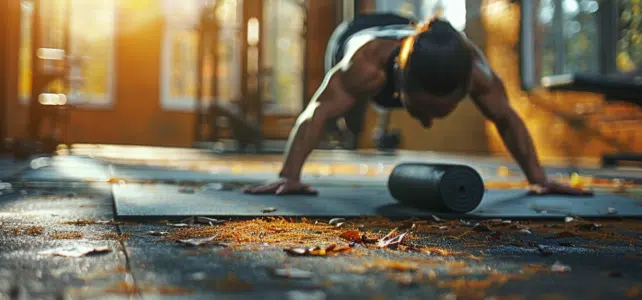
[[303, 139], [520, 144]]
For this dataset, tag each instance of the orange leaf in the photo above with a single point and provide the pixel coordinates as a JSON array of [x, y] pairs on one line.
[[351, 236]]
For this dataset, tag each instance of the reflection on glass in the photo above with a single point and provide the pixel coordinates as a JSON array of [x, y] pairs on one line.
[[284, 47], [92, 35], [24, 59], [183, 71], [228, 50], [568, 36], [629, 45], [182, 31]]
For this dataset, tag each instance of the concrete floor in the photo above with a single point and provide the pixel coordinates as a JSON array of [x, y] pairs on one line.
[[437, 260]]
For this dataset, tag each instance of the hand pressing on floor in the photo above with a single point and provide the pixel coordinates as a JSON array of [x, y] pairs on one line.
[[554, 188], [282, 186]]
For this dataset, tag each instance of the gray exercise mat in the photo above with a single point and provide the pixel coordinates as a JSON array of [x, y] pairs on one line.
[[165, 201]]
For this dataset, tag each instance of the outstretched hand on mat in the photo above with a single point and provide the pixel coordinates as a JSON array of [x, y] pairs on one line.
[[281, 187], [554, 188]]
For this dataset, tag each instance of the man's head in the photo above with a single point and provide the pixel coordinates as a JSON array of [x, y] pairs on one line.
[[438, 64]]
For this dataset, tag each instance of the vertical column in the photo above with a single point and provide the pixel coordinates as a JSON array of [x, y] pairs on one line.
[[9, 49], [251, 57], [4, 16], [319, 28], [558, 38]]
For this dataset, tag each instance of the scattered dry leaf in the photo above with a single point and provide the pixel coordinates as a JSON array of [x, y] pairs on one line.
[[268, 210], [197, 242], [123, 288], [564, 234], [352, 236], [93, 222], [469, 223], [560, 268], [76, 251], [634, 292], [129, 288], [34, 230], [115, 236], [73, 235], [336, 221], [393, 265], [158, 233], [331, 250], [589, 227], [202, 220]]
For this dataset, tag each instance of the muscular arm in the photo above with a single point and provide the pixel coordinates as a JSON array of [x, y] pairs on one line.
[[489, 95], [331, 100], [342, 88]]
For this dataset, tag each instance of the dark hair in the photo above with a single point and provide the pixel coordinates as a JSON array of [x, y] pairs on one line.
[[440, 61]]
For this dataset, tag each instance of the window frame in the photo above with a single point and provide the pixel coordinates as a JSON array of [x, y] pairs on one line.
[[94, 101], [530, 64], [187, 103], [169, 102], [271, 70]]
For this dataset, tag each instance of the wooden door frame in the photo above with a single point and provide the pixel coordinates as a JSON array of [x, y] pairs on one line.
[[9, 49], [4, 32]]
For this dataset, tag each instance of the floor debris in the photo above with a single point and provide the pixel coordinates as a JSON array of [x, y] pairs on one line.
[[76, 251]]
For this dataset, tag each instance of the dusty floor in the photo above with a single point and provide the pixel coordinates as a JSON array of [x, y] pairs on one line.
[[270, 258]]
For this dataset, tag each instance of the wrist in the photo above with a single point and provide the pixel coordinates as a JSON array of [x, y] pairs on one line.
[[290, 175], [537, 180]]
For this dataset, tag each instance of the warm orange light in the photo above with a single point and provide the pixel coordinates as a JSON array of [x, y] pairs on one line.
[[408, 44], [405, 51]]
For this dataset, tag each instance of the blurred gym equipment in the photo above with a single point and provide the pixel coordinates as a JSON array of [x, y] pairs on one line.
[[241, 118], [614, 88], [51, 81]]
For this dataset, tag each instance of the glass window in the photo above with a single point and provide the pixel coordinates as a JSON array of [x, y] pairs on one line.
[[284, 56], [228, 71], [24, 59], [629, 43], [452, 10], [92, 41], [180, 53], [568, 35]]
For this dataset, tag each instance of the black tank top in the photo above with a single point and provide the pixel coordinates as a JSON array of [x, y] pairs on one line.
[[380, 26]]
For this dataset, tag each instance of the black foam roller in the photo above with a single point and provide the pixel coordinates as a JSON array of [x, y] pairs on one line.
[[437, 187]]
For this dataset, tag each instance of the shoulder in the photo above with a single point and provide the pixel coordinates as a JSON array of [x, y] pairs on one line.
[[483, 78], [361, 72]]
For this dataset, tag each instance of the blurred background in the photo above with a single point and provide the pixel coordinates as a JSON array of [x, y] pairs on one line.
[[201, 73]]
